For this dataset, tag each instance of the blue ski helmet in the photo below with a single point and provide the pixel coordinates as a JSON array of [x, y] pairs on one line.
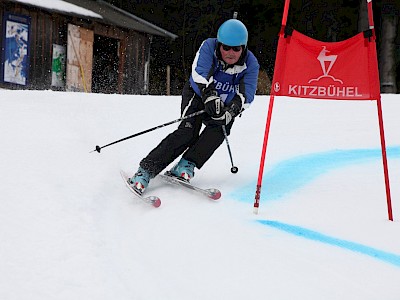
[[232, 33]]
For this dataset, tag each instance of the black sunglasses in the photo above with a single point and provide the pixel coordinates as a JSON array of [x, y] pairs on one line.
[[234, 48]]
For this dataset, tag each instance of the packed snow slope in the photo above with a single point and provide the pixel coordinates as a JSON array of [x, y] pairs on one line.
[[70, 229]]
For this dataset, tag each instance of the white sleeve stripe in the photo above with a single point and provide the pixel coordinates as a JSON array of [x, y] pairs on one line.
[[196, 76]]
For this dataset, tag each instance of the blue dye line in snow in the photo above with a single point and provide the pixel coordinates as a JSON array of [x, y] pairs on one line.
[[290, 175], [387, 257]]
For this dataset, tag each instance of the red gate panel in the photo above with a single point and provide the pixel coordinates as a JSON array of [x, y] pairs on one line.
[[309, 68]]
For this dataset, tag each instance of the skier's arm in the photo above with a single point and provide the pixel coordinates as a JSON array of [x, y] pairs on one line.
[[248, 84], [202, 80]]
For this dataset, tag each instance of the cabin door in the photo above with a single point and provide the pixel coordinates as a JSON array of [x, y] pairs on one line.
[[79, 59]]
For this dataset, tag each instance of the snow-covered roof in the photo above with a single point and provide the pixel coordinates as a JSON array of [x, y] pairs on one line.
[[101, 10], [61, 6]]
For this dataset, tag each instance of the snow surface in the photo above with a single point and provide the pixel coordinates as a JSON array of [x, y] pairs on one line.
[[70, 229], [61, 6]]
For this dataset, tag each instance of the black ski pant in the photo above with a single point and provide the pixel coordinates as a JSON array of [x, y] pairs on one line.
[[196, 146]]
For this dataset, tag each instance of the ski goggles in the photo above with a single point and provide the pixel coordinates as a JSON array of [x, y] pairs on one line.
[[234, 48]]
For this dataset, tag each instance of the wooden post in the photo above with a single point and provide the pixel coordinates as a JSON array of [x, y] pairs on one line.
[[168, 80]]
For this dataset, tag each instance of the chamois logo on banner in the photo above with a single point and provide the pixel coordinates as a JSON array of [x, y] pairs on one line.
[[327, 61]]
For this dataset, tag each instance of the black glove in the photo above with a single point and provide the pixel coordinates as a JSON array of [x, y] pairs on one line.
[[227, 115], [213, 105]]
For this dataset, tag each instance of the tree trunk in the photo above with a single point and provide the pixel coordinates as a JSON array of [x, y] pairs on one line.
[[363, 16], [387, 64]]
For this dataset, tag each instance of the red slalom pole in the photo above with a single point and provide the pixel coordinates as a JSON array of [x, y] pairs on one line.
[[263, 152], [384, 160], [381, 129], [370, 15], [268, 123], [285, 12]]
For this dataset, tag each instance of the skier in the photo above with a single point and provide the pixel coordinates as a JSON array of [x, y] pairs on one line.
[[223, 82]]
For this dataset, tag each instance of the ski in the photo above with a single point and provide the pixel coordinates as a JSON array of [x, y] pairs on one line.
[[152, 200], [211, 193]]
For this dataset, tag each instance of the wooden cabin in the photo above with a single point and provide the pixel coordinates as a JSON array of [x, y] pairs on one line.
[[75, 45]]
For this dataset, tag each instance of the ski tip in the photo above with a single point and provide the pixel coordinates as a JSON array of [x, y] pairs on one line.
[[155, 201], [214, 194]]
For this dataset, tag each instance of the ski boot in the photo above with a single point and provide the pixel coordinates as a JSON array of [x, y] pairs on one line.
[[184, 170], [140, 180]]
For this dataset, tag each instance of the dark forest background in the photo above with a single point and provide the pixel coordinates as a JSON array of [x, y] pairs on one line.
[[325, 20]]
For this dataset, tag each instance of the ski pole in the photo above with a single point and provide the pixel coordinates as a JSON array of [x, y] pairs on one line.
[[233, 169], [98, 148]]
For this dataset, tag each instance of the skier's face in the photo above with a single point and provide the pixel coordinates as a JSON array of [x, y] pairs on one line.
[[230, 55]]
